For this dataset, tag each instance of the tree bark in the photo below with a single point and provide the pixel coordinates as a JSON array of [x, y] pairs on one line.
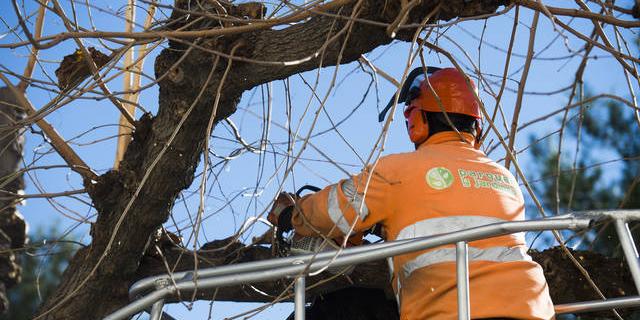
[[135, 200], [13, 228]]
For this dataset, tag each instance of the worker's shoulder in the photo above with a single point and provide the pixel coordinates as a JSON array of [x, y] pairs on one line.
[[495, 165], [397, 159], [393, 164], [420, 157]]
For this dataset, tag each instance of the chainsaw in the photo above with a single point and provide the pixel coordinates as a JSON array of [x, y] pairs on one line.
[[291, 244]]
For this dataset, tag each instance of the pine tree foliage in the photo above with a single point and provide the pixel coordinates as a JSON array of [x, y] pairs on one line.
[[43, 263], [606, 174]]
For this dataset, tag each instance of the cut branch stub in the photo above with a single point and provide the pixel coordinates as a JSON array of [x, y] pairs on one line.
[[73, 68]]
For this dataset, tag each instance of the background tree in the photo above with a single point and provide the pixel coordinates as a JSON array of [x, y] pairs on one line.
[[603, 135], [13, 228], [42, 263]]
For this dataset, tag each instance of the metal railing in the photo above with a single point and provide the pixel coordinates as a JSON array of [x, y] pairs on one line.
[[161, 287]]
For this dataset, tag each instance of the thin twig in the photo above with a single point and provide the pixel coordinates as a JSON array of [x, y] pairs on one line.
[[58, 143], [33, 57], [521, 86]]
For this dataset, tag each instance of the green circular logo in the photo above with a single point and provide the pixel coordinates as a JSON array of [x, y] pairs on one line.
[[439, 178]]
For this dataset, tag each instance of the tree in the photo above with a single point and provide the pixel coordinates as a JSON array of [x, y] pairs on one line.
[[217, 51], [582, 183], [42, 266], [13, 228]]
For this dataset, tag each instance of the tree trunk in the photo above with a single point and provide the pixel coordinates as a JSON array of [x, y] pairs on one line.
[[13, 228]]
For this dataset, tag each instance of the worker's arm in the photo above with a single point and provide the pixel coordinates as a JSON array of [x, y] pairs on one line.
[[338, 210]]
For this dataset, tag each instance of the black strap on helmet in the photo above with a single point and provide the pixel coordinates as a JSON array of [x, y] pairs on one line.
[[409, 90], [307, 187]]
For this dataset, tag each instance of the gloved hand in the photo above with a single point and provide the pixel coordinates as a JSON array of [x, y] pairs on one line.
[[281, 211]]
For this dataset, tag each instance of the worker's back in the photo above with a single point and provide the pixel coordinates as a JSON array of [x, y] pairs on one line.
[[445, 186]]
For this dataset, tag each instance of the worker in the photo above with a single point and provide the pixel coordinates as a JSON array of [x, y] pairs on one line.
[[447, 184]]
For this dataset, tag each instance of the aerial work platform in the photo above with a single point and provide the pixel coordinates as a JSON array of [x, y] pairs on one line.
[[151, 292]]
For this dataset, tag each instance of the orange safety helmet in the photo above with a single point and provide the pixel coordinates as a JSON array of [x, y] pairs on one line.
[[454, 95]]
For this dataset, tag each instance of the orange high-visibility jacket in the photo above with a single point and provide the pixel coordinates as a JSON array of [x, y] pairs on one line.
[[446, 185]]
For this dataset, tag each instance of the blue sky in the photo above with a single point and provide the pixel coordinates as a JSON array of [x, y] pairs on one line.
[[251, 180]]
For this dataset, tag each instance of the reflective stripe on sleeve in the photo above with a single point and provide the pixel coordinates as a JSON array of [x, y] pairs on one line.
[[495, 254], [356, 199], [335, 213]]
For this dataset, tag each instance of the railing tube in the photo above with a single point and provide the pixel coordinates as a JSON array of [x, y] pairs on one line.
[[509, 227], [462, 273], [630, 251], [349, 256], [299, 298], [140, 304], [598, 305], [156, 310]]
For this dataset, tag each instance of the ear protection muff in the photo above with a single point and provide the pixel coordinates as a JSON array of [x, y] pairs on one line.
[[417, 125]]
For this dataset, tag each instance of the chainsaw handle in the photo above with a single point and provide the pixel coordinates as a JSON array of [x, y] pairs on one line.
[[284, 221]]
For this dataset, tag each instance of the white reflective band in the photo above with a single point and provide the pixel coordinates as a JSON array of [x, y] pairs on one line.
[[390, 265], [335, 213], [397, 293], [495, 254], [356, 199], [398, 288], [431, 227]]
